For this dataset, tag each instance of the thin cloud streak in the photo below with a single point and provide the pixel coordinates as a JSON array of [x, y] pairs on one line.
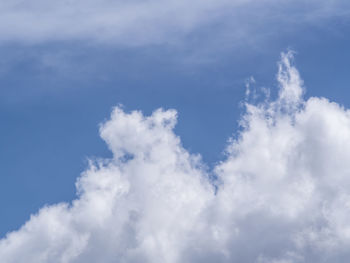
[[135, 23]]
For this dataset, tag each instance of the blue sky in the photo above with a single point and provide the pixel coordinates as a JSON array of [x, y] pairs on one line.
[[62, 74]]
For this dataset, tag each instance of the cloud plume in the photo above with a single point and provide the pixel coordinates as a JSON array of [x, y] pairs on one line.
[[282, 193]]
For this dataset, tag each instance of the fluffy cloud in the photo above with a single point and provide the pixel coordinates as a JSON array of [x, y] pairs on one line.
[[151, 21], [282, 193]]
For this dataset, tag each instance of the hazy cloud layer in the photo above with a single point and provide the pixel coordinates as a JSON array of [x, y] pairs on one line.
[[153, 21], [282, 192]]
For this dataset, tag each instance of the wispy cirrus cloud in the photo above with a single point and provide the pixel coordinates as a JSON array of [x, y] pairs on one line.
[[134, 23], [282, 192]]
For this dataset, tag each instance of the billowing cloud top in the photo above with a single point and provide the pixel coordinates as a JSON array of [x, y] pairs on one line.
[[282, 193], [149, 22]]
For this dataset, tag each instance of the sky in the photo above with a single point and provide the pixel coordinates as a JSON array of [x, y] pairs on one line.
[[169, 131]]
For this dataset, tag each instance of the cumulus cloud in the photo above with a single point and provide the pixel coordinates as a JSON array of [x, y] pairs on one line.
[[150, 21], [282, 193]]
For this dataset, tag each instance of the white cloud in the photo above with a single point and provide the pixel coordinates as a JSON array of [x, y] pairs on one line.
[[152, 21], [283, 193]]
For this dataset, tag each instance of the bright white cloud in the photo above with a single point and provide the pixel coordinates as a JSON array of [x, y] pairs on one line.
[[283, 193], [151, 21]]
